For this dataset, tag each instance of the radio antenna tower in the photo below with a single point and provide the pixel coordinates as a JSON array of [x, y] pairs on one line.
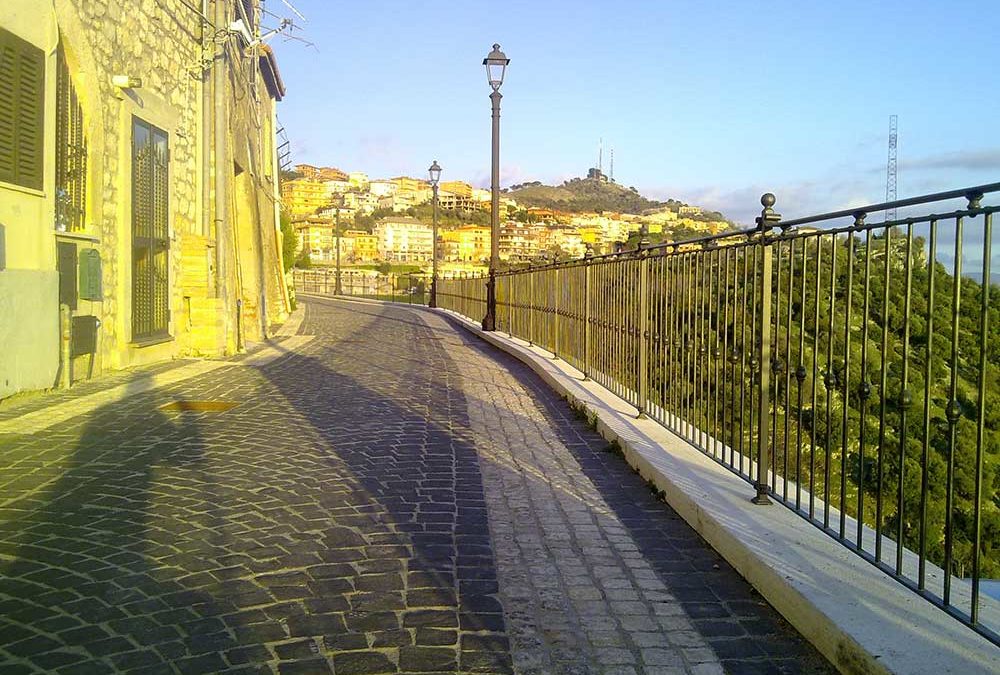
[[612, 165], [890, 170], [600, 157]]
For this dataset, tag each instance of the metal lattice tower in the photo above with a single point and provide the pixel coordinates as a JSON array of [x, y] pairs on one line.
[[612, 165], [890, 170]]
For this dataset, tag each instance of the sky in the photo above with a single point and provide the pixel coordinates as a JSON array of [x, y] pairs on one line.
[[712, 103]]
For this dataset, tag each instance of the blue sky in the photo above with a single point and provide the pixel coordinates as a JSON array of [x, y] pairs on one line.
[[709, 102]]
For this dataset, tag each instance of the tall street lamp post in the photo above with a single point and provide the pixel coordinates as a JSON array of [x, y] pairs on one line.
[[338, 290], [435, 174], [496, 66]]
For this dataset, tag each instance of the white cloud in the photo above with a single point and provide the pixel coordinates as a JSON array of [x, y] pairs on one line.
[[794, 200]]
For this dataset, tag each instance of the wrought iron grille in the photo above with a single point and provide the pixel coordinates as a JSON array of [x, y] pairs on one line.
[[465, 294], [846, 368], [150, 236], [413, 289], [71, 153]]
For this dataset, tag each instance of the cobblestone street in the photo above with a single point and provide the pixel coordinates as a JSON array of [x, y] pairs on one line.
[[391, 496]]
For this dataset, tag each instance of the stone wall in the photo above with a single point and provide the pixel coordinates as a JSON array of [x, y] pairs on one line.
[[159, 42], [174, 52]]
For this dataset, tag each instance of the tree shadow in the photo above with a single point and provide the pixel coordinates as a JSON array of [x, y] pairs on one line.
[[410, 529], [86, 578]]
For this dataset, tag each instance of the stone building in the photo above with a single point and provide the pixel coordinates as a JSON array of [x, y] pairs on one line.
[[138, 185]]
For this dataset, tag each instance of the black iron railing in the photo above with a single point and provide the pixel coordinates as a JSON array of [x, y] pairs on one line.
[[847, 368], [412, 289]]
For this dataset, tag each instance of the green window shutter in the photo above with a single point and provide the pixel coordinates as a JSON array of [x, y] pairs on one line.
[[22, 111]]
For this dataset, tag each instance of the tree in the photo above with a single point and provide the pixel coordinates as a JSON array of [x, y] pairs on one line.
[[289, 242], [303, 262]]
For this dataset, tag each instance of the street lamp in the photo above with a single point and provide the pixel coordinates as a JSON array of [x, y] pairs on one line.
[[496, 66], [435, 174], [340, 202]]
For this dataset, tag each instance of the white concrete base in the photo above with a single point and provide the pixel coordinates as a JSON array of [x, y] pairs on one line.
[[862, 620]]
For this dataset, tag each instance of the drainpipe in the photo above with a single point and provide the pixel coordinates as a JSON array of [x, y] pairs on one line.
[[222, 167], [65, 342], [206, 126]]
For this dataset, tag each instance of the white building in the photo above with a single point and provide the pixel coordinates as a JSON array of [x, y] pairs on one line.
[[337, 186], [382, 188], [404, 240]]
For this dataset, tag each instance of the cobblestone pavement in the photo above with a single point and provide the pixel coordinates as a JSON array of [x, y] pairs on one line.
[[391, 497]]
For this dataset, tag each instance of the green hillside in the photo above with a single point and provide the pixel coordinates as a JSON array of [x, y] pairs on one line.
[[581, 195]]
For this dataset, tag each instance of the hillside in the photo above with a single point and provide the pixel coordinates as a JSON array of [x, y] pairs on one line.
[[582, 195]]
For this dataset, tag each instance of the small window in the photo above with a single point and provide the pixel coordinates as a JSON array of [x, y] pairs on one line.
[[22, 111]]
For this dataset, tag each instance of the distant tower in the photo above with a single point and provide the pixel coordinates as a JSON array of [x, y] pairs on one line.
[[600, 156], [612, 165], [890, 170]]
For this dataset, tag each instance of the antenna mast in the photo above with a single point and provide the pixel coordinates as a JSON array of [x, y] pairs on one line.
[[612, 165], [890, 170], [600, 157]]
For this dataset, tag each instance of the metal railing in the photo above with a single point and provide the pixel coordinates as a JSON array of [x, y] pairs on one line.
[[412, 289], [464, 294], [847, 369]]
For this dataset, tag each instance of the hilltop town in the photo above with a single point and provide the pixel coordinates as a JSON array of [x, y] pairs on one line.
[[389, 220]]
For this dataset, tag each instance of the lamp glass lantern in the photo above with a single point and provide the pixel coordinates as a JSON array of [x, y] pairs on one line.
[[496, 65], [435, 173]]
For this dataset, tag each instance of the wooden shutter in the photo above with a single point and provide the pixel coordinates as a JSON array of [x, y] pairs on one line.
[[22, 111], [8, 107]]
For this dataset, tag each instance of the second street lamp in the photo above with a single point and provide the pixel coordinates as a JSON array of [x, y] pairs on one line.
[[337, 289], [496, 67], [435, 174]]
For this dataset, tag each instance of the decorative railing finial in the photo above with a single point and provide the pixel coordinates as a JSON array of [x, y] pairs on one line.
[[767, 218]]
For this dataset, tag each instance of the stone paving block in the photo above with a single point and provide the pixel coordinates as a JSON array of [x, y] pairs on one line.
[[427, 659], [362, 663]]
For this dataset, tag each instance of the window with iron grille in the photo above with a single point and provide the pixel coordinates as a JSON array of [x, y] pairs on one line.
[[150, 237], [71, 153], [22, 111]]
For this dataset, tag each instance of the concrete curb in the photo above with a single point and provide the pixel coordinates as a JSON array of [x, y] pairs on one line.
[[858, 617]]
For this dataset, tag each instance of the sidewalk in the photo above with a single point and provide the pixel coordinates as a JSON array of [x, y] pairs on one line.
[[390, 495]]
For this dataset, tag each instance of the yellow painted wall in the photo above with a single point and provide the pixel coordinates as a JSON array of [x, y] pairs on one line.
[[29, 283]]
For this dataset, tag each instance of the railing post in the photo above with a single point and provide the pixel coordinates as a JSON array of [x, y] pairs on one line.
[[509, 281], [531, 306], [490, 320], [586, 312], [765, 221], [557, 291], [643, 328]]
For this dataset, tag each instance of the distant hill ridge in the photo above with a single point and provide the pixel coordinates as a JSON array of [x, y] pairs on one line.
[[587, 195]]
